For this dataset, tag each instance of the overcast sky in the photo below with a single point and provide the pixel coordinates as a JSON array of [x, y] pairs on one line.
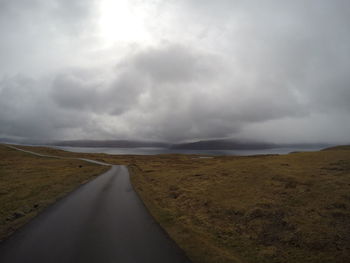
[[175, 70]]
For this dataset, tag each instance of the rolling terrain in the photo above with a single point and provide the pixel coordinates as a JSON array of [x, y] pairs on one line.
[[269, 208]]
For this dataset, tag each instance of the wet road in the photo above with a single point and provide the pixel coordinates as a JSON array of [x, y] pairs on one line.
[[102, 221]]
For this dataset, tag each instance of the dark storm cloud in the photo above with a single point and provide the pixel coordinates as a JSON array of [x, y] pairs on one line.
[[272, 70]]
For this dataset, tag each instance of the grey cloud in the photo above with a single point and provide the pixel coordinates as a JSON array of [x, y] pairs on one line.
[[80, 92], [168, 109], [26, 110], [206, 107], [124, 92], [272, 70], [76, 12], [173, 63], [300, 45], [55, 13], [70, 91], [39, 36]]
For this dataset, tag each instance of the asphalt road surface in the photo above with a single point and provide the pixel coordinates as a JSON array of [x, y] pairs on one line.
[[102, 221]]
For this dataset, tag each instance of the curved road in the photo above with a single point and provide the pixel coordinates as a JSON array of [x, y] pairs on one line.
[[103, 221]]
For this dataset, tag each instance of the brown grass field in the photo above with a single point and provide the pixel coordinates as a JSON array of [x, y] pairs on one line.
[[256, 209], [29, 183]]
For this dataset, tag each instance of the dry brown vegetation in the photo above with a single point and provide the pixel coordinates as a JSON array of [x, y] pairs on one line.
[[29, 183], [272, 208]]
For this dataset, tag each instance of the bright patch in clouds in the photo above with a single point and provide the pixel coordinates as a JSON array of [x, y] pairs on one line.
[[122, 21]]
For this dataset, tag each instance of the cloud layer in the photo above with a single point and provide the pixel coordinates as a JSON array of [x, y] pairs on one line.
[[270, 71]]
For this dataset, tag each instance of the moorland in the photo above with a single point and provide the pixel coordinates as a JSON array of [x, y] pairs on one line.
[[265, 208]]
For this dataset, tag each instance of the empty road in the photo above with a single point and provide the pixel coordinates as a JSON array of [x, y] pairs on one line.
[[102, 221]]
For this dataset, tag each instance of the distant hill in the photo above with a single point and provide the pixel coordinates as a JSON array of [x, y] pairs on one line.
[[199, 145], [224, 144], [240, 145], [342, 147]]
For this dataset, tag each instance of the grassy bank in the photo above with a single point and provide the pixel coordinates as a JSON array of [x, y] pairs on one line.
[[29, 183], [288, 208], [272, 208]]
